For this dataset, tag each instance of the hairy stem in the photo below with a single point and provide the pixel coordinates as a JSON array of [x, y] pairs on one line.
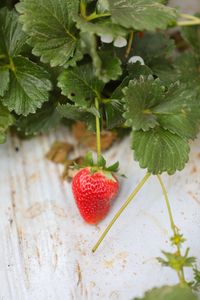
[[98, 130], [180, 273], [117, 215], [130, 41]]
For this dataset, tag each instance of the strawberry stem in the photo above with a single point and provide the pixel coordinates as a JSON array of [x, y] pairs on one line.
[[94, 16], [117, 215], [98, 130], [192, 20], [83, 8], [130, 41], [180, 273]]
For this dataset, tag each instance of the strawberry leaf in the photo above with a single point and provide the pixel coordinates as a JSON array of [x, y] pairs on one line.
[[152, 46], [114, 108], [73, 112], [6, 120], [24, 85], [140, 96], [28, 88], [192, 35], [179, 112], [51, 28], [187, 68], [4, 75], [142, 14], [45, 119], [101, 27], [159, 150], [12, 38], [175, 292], [148, 104], [80, 84], [106, 64]]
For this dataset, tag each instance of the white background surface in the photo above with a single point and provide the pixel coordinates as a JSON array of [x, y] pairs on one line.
[[45, 250]]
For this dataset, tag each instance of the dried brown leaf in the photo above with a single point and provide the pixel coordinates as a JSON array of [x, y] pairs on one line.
[[88, 138], [59, 152]]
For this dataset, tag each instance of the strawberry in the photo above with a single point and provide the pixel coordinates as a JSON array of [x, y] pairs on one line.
[[93, 192]]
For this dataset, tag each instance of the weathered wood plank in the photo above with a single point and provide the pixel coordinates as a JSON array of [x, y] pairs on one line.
[[45, 251]]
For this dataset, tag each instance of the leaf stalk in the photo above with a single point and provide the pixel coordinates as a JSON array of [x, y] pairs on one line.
[[120, 211], [192, 20], [180, 273]]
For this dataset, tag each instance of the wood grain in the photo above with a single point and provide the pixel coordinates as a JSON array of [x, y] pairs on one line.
[[45, 250]]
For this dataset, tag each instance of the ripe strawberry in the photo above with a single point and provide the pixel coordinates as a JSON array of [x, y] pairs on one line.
[[93, 193]]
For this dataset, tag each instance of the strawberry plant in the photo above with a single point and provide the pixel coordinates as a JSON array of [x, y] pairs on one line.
[[114, 66]]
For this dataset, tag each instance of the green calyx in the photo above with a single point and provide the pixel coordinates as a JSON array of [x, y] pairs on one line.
[[99, 165]]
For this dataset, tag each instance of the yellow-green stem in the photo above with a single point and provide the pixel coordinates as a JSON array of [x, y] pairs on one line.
[[180, 274], [130, 41], [117, 215], [173, 226], [98, 130], [83, 8], [94, 16], [192, 20]]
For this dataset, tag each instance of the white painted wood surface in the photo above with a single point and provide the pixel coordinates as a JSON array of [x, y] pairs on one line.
[[45, 250]]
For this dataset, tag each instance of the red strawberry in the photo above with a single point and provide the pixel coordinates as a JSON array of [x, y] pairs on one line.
[[93, 193]]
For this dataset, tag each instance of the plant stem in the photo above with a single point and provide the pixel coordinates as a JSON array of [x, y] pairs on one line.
[[117, 215], [173, 226], [130, 41], [98, 130], [192, 20], [180, 273], [94, 16], [83, 8]]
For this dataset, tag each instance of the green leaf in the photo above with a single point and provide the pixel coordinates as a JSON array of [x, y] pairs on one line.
[[179, 112], [160, 151], [152, 46], [142, 14], [114, 113], [192, 35], [73, 112], [80, 84], [101, 27], [148, 104], [102, 6], [28, 88], [4, 76], [12, 38], [42, 121], [106, 64], [114, 108], [177, 262], [6, 120], [51, 28], [162, 68], [187, 68], [176, 292], [140, 96]]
